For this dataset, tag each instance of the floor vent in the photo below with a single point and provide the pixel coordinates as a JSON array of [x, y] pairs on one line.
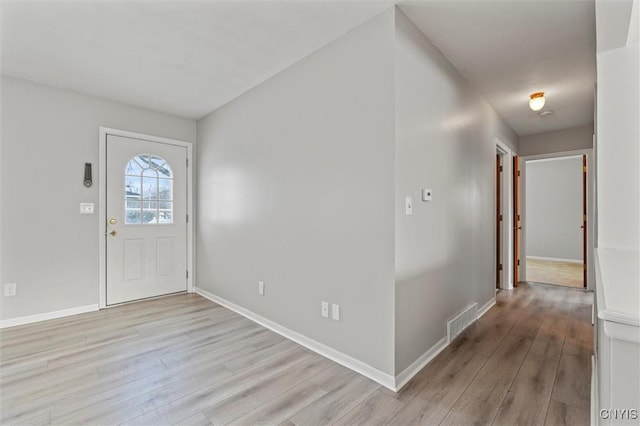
[[464, 319]]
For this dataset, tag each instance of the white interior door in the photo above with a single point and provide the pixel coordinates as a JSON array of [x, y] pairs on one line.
[[146, 209]]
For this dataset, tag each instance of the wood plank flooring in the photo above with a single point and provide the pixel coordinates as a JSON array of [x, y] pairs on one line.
[[185, 360], [555, 272]]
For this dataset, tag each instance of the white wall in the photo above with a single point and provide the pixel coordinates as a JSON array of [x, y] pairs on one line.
[[445, 140], [49, 249], [559, 141], [295, 188], [618, 150], [554, 208]]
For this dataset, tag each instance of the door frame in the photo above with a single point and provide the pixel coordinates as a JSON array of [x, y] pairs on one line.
[[506, 231], [590, 209], [102, 198]]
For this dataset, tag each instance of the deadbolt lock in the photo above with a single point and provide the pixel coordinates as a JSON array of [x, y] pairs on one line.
[[113, 233], [112, 221]]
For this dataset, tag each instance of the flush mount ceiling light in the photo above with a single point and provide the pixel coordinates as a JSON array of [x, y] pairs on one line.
[[537, 101]]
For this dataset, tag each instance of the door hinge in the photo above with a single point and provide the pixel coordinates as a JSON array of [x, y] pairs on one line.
[[518, 217], [584, 266], [500, 169], [500, 267], [500, 217], [584, 169], [519, 259], [518, 172], [584, 217], [187, 218], [187, 274], [187, 162]]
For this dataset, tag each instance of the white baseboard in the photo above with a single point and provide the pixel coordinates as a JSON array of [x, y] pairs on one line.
[[417, 365], [485, 308], [366, 370], [47, 316], [554, 259]]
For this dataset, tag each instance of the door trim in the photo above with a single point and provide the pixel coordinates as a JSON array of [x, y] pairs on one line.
[[506, 234], [516, 220], [591, 230], [102, 197]]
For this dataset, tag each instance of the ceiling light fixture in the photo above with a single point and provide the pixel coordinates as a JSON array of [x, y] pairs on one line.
[[537, 101]]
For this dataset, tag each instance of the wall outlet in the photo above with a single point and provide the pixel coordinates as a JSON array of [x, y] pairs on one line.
[[261, 288], [10, 289], [325, 309], [335, 312]]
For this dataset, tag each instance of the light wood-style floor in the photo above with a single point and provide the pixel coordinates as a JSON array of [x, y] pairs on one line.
[[185, 360], [555, 272]]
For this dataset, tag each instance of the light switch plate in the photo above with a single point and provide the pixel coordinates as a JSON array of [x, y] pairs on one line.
[[427, 194], [261, 288], [86, 208], [335, 312]]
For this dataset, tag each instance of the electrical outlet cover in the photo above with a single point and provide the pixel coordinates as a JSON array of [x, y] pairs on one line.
[[325, 309]]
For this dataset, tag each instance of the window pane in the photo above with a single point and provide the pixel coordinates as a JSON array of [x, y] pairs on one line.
[[156, 162], [164, 189], [133, 168], [132, 204], [149, 173], [132, 187], [150, 188], [165, 212], [132, 217], [143, 159], [165, 171], [149, 216]]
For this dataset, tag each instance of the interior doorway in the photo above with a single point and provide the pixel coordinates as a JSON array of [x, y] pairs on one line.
[[503, 265], [499, 266], [556, 219]]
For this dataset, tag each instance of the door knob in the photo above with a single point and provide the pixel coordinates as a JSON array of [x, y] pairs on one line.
[[113, 233], [112, 221]]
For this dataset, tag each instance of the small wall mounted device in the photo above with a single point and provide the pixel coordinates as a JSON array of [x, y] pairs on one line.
[[88, 180]]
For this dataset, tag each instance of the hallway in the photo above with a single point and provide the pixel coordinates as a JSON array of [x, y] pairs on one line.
[[184, 359]]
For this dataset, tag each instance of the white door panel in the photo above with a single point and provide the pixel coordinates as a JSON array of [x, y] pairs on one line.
[[146, 219]]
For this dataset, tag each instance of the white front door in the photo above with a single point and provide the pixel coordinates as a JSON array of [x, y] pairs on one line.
[[146, 209]]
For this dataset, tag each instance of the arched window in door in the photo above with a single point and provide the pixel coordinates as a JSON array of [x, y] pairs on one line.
[[148, 188]]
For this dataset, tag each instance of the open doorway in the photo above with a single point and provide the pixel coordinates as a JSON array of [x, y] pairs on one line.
[[556, 214], [503, 217]]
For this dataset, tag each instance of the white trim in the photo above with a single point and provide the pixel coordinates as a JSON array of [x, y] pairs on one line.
[[595, 409], [29, 319], [102, 197], [416, 366], [554, 259], [366, 370], [574, 153], [485, 308], [507, 214], [548, 159]]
